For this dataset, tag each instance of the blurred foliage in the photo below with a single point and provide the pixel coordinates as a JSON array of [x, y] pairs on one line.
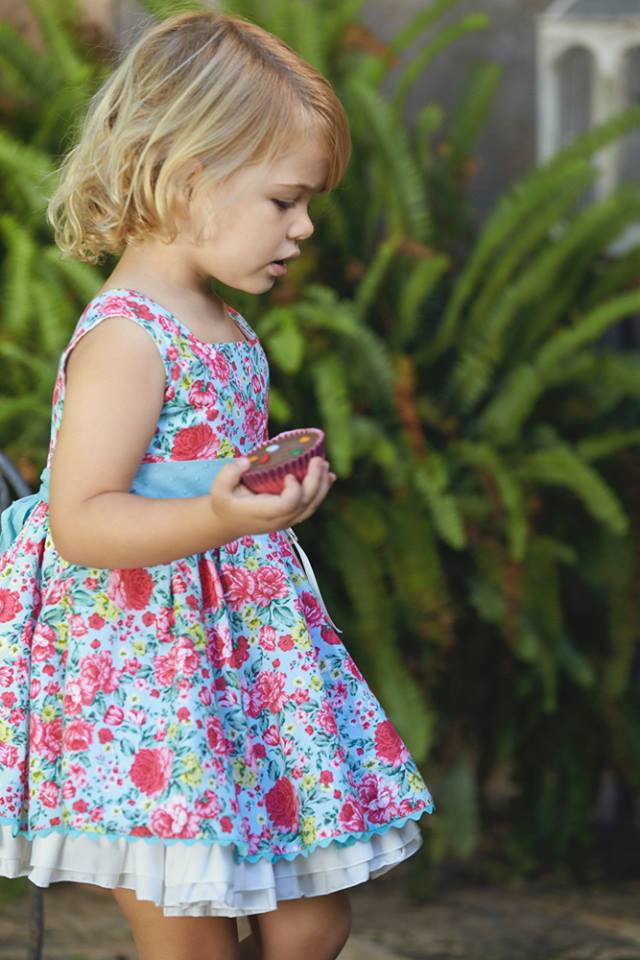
[[480, 548]]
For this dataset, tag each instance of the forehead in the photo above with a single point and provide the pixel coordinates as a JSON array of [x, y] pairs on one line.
[[304, 161]]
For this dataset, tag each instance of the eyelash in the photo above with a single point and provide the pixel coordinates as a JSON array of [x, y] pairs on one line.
[[284, 204]]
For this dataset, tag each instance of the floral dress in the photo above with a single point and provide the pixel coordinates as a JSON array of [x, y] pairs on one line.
[[195, 731]]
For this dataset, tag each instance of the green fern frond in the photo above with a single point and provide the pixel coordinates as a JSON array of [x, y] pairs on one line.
[[404, 181], [329, 380], [368, 286], [53, 20], [420, 283], [431, 481], [561, 466], [35, 72], [419, 23], [481, 455], [471, 111], [448, 36], [16, 275]]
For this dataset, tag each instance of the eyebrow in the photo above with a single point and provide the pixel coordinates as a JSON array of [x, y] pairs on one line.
[[301, 186]]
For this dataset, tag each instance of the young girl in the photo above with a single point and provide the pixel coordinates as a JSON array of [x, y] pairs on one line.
[[179, 721]]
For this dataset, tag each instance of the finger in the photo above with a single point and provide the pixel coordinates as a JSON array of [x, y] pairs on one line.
[[311, 507], [313, 479]]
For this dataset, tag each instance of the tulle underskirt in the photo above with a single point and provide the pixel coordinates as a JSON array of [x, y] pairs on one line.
[[201, 879]]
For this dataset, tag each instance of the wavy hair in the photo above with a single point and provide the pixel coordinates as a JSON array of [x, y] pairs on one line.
[[199, 91]]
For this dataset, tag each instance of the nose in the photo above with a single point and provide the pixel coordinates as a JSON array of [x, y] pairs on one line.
[[302, 227]]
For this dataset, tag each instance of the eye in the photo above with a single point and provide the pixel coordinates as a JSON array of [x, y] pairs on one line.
[[284, 204]]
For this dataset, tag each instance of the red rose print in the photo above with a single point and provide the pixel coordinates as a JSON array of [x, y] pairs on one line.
[[389, 746], [202, 394], [238, 585], [377, 797], [175, 820], [282, 804], [195, 443], [311, 609], [209, 583], [329, 635], [350, 815], [78, 734], [8, 755], [49, 794], [270, 688], [9, 605], [150, 769], [269, 584], [130, 589]]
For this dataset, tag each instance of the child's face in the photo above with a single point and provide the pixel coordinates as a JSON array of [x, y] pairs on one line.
[[259, 215]]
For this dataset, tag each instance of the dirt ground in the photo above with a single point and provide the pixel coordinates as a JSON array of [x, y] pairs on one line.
[[459, 922]]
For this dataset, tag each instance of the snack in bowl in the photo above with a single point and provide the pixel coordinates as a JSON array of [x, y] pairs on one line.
[[288, 452]]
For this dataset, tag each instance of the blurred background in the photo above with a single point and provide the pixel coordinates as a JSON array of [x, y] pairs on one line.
[[464, 324]]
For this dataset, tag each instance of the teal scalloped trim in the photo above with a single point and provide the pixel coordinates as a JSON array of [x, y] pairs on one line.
[[345, 841]]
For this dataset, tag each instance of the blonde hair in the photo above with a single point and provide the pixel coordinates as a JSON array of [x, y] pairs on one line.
[[200, 87]]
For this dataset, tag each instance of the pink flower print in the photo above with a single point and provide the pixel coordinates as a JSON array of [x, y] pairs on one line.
[[175, 820], [326, 777], [165, 620], [73, 697], [253, 421], [377, 797], [210, 806], [282, 804], [311, 609], [268, 638], [78, 627], [68, 790], [114, 715], [42, 647], [220, 368], [287, 746], [210, 584], [195, 443], [270, 688], [285, 642], [78, 734], [215, 736], [326, 718], [352, 667], [97, 673], [49, 794], [6, 677], [8, 755], [185, 657], [164, 668], [350, 815], [389, 746], [219, 645], [49, 739], [202, 394], [340, 693], [238, 585], [151, 769], [269, 584], [204, 696], [10, 605], [252, 702]]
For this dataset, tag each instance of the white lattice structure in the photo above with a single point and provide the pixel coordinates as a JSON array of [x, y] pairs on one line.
[[588, 69]]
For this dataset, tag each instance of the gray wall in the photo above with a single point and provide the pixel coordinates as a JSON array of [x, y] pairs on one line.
[[506, 148]]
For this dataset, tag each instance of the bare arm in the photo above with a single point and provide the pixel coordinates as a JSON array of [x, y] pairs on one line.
[[113, 398]]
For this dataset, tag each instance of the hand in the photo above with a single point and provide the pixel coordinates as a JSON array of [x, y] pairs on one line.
[[244, 512]]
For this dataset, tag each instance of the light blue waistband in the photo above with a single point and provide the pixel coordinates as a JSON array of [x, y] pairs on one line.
[[164, 480], [170, 478]]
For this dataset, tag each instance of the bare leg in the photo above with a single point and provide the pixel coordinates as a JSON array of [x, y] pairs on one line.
[[314, 928], [176, 938]]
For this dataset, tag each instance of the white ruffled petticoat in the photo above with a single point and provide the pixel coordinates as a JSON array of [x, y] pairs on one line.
[[201, 879]]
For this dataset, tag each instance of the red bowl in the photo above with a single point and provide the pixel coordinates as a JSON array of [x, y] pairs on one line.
[[265, 478]]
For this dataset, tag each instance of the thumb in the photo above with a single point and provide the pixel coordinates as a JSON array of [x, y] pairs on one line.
[[228, 477]]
